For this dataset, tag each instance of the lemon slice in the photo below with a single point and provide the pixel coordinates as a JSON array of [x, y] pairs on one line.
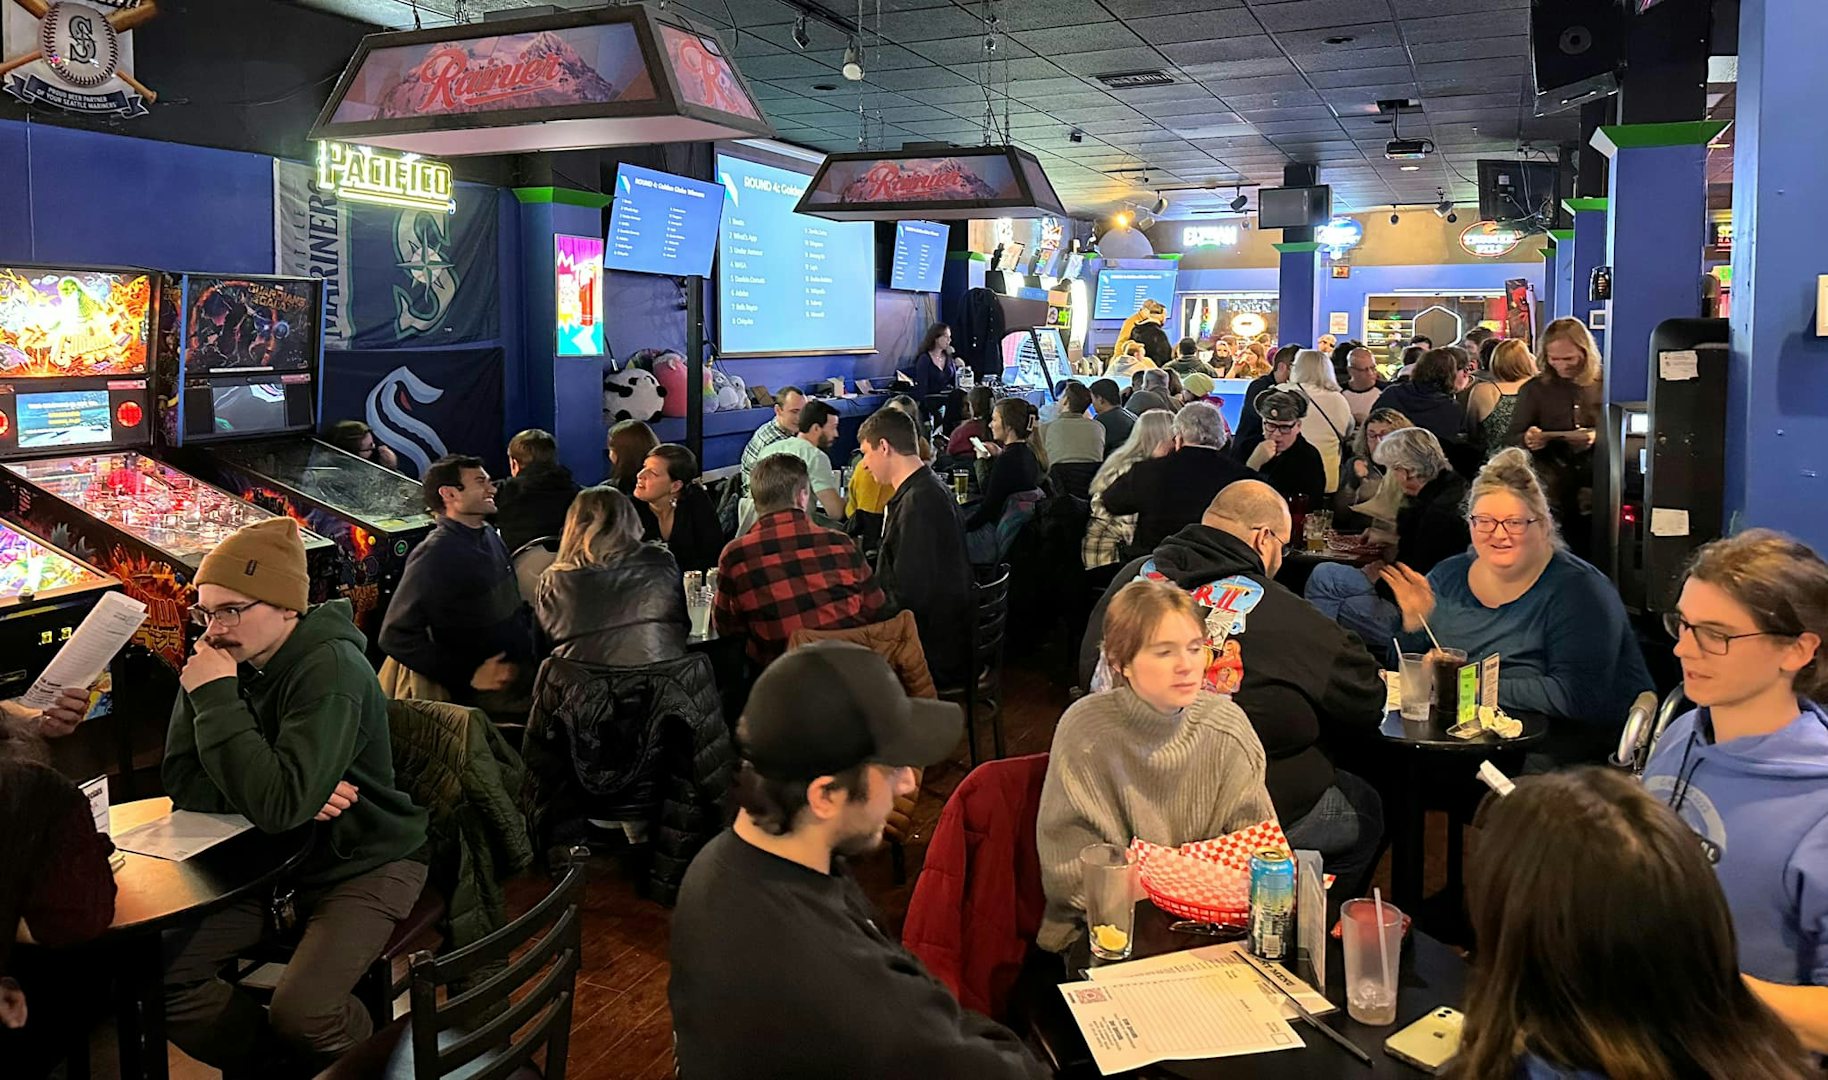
[[1109, 938]]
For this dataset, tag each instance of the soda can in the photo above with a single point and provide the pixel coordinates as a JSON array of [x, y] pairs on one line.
[[1272, 903]]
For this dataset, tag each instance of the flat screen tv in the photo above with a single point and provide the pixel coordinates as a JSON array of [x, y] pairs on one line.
[[920, 256], [1295, 207], [662, 224]]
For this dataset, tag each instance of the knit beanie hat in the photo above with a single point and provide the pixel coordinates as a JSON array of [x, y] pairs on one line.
[[265, 560]]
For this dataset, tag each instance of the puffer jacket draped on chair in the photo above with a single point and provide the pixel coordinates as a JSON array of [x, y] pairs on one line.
[[644, 743], [455, 764]]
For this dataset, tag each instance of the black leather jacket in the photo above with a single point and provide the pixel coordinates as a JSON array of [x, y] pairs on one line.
[[622, 614]]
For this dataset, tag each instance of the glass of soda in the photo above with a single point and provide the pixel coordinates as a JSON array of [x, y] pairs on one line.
[[1445, 665]]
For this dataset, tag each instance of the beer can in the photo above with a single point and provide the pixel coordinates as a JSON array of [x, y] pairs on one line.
[[1272, 903]]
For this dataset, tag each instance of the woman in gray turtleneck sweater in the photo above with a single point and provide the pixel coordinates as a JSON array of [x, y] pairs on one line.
[[1158, 758]]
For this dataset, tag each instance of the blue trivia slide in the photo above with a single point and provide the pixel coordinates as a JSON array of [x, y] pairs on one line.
[[786, 283]]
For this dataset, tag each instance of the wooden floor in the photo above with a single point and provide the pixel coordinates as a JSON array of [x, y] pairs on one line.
[[621, 1026]]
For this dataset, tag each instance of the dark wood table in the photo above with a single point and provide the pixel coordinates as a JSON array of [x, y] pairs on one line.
[[153, 895], [1432, 975], [1425, 758], [1298, 566]]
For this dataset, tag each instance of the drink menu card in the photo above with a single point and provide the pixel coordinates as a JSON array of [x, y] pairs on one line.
[[181, 834]]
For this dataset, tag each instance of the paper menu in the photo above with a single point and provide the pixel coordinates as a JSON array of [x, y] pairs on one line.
[[83, 658], [181, 834], [1210, 958], [1137, 1021]]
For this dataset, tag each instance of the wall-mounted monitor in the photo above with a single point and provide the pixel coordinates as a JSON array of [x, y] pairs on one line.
[[1295, 207], [1121, 292], [789, 284], [920, 256], [663, 224]]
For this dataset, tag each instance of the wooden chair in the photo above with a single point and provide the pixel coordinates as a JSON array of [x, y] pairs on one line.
[[487, 1032]]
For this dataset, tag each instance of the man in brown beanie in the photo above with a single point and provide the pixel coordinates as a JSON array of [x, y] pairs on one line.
[[282, 720]]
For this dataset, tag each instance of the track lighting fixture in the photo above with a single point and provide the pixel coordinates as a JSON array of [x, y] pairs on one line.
[[800, 36], [853, 62], [1239, 203]]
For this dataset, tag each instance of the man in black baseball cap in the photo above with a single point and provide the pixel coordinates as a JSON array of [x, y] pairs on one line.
[[778, 966]]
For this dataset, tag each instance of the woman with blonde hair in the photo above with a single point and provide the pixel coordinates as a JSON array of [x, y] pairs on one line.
[[1490, 405], [1328, 423], [1557, 420], [609, 598], [1158, 757], [1108, 535], [1605, 950], [1568, 650]]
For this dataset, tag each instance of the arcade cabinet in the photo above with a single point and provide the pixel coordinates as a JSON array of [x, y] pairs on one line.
[[77, 410], [239, 365]]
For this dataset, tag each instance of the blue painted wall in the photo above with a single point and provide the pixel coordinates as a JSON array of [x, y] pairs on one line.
[[92, 199], [1777, 393]]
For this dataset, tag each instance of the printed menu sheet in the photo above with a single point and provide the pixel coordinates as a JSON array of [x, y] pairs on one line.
[[1210, 957], [1137, 1021], [181, 834]]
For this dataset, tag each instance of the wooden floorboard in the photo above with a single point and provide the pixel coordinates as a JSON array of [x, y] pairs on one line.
[[621, 1027]]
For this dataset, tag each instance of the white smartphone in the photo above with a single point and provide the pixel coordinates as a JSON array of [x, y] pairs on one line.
[[1429, 1043], [978, 445]]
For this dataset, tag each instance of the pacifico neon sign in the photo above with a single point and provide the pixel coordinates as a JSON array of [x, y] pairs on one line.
[[385, 178]]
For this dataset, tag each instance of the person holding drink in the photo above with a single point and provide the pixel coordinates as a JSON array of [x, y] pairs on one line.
[[1558, 626], [1156, 758]]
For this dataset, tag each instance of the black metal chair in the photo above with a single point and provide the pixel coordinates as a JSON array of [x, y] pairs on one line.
[[989, 627], [489, 1030]]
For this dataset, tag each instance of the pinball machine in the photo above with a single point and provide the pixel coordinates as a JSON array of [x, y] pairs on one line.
[[238, 366], [76, 412]]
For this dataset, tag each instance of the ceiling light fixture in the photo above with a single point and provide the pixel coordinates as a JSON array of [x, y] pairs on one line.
[[1161, 205], [1444, 206], [853, 62], [1393, 217], [1342, 39], [1411, 168], [1239, 203], [800, 36]]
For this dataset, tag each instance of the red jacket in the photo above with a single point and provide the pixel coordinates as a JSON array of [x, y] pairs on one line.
[[978, 902]]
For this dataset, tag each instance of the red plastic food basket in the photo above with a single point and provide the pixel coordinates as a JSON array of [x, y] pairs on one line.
[[1207, 880]]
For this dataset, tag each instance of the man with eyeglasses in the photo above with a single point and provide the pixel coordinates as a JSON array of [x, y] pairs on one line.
[[282, 720], [1288, 461], [1297, 674]]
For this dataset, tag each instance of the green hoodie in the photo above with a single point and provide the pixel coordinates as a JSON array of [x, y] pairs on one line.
[[271, 744]]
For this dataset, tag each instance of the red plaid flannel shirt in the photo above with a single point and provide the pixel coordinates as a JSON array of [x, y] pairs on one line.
[[786, 573]]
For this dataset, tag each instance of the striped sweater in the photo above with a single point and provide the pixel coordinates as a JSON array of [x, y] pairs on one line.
[[1121, 770]]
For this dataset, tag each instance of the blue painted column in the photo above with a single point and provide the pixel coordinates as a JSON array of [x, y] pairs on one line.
[[1589, 252], [562, 394], [1297, 293], [1655, 232], [1777, 393], [1563, 272], [1545, 299]]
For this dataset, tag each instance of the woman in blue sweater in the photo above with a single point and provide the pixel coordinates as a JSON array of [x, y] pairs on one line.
[[1748, 770], [1557, 624]]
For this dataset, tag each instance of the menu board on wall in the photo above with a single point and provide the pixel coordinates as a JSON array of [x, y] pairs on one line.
[[789, 284], [578, 269]]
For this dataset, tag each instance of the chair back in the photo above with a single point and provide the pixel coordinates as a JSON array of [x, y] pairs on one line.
[[542, 951], [531, 560], [1644, 726], [990, 618], [1073, 478]]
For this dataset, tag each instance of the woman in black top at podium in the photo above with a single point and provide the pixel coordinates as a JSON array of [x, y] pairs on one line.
[[935, 377]]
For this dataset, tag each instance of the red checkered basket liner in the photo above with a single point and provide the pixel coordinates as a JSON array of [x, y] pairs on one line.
[[1208, 880]]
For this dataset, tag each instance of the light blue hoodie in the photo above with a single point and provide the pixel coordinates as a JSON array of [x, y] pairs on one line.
[[1760, 804]]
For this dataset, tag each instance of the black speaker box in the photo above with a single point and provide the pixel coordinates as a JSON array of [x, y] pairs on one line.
[[1576, 48]]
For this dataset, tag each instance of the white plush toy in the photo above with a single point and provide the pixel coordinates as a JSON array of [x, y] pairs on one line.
[[731, 392], [633, 394]]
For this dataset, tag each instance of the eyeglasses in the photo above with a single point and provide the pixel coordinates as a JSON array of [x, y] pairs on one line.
[[1486, 524], [1288, 543], [1707, 639], [226, 617], [1281, 428]]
